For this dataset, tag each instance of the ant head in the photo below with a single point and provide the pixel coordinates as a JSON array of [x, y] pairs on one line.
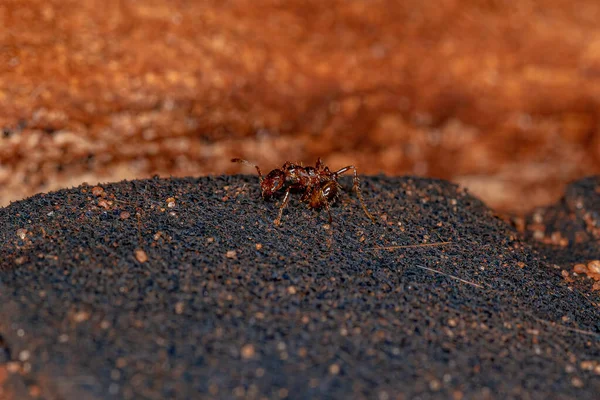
[[273, 182]]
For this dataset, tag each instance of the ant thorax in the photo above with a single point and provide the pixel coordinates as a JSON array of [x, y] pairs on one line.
[[299, 177]]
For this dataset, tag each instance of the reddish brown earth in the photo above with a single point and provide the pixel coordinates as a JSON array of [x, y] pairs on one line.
[[501, 97]]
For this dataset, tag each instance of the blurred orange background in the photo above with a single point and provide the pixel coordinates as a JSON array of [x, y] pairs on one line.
[[500, 96]]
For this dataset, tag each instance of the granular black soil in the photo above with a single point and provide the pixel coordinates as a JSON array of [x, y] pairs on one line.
[[185, 288], [576, 217]]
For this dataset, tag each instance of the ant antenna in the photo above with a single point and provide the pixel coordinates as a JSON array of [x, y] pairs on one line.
[[239, 160]]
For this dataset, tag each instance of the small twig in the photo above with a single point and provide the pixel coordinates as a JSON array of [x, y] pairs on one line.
[[450, 276], [411, 245], [554, 324], [139, 228]]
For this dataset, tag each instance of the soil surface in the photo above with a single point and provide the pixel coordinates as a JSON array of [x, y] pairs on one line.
[[169, 288], [501, 97]]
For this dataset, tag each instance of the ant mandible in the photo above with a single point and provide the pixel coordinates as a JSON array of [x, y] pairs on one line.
[[319, 186]]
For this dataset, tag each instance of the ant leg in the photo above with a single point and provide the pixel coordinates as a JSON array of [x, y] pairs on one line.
[[319, 164], [330, 230], [321, 167], [284, 202], [356, 188], [239, 160]]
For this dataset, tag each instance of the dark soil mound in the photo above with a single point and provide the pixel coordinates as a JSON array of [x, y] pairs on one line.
[[181, 287]]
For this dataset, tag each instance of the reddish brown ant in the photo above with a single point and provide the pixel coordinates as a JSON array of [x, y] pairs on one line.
[[319, 186]]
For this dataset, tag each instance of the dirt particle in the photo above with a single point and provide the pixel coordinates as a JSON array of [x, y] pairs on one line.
[[179, 306], [538, 235], [35, 391], [104, 204], [231, 254], [435, 385], [258, 246], [98, 191], [124, 215], [171, 202], [576, 382], [141, 255], [569, 369], [334, 369], [587, 365], [594, 266], [13, 367], [580, 268], [248, 351], [26, 367], [121, 362], [81, 316], [105, 324], [22, 233], [291, 290], [24, 355]]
